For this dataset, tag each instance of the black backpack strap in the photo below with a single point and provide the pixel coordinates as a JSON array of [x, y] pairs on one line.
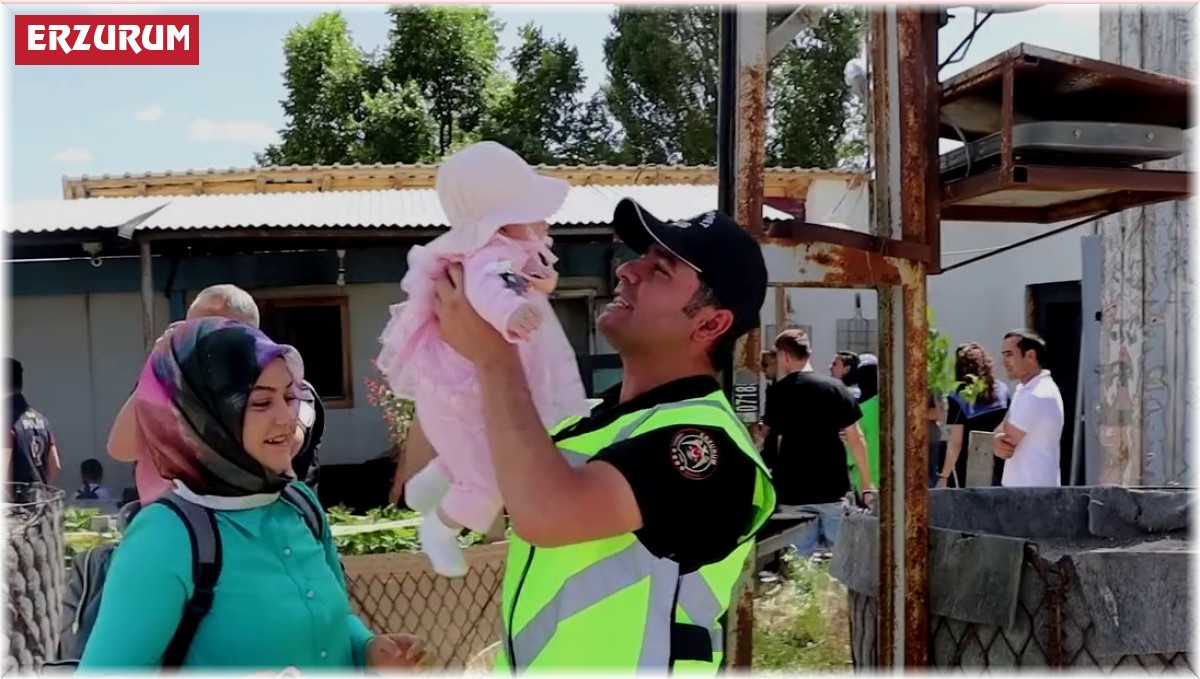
[[313, 517], [309, 510], [201, 525]]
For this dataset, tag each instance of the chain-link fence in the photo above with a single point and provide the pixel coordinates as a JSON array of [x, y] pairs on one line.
[[1052, 628], [1082, 589], [34, 575], [459, 618]]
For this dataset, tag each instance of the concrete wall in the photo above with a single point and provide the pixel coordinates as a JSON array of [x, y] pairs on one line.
[[81, 354], [1147, 400]]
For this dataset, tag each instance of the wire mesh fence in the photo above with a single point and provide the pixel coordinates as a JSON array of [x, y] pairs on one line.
[[1052, 628], [34, 575], [459, 618]]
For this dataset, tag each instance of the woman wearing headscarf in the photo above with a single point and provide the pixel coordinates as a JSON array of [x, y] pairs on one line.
[[218, 415]]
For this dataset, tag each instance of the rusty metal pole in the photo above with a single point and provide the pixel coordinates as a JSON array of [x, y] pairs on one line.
[[885, 194], [907, 190], [749, 159], [147, 270], [749, 154]]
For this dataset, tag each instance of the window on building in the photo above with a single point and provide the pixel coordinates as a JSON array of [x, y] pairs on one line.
[[859, 335], [319, 327], [602, 370], [573, 313]]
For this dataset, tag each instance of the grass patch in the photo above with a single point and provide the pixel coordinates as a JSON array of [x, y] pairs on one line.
[[802, 624]]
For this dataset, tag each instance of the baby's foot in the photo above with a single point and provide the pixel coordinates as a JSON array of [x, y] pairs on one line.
[[425, 489], [440, 544], [524, 321]]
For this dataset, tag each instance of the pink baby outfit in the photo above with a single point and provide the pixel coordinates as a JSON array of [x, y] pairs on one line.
[[420, 366], [483, 189]]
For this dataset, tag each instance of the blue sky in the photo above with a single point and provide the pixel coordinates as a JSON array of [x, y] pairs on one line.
[[97, 120]]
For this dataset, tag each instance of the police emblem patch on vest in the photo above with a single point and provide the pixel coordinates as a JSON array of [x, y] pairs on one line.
[[694, 453]]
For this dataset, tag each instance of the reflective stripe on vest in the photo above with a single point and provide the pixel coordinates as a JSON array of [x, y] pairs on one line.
[[598, 582], [702, 607], [620, 563]]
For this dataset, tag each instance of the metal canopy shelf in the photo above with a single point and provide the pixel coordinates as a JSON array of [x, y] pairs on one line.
[[1045, 194], [1029, 83]]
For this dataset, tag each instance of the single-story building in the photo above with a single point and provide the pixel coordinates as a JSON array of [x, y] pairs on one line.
[[323, 250]]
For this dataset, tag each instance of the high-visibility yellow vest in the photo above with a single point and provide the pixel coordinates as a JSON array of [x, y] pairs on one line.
[[610, 604]]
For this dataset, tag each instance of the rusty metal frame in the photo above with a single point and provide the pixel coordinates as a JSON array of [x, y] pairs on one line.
[[1120, 188], [1034, 75], [894, 259], [740, 167], [1169, 94], [903, 58], [749, 148]]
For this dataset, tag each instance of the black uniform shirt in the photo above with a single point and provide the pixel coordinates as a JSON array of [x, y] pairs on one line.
[[693, 486]]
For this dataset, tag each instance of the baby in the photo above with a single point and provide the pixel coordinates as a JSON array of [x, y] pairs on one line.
[[497, 207]]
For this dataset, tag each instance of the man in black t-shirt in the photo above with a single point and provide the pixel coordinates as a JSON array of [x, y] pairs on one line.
[[807, 415], [31, 450]]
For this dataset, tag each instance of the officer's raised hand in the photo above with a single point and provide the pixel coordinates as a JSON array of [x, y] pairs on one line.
[[460, 325]]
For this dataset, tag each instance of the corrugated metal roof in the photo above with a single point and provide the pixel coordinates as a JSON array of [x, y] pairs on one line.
[[397, 208], [66, 215], [544, 169]]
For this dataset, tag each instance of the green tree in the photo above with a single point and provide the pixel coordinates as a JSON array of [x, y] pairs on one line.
[[450, 53], [397, 126], [662, 87], [324, 81], [662, 83], [808, 97], [597, 141], [541, 114]]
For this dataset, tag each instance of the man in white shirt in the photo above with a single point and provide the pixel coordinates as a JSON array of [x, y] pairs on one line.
[[1028, 438]]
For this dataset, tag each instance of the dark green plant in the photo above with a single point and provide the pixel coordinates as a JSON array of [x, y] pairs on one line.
[[390, 541], [971, 389], [939, 360]]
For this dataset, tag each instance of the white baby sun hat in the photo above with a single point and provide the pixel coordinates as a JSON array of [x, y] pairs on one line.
[[486, 186]]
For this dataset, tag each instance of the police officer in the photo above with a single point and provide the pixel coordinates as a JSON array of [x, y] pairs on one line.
[[33, 453], [632, 525]]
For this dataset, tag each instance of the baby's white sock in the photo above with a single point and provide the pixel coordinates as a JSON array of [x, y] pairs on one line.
[[440, 543], [425, 489]]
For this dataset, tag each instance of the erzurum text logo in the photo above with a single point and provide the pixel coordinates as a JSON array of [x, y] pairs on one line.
[[107, 40]]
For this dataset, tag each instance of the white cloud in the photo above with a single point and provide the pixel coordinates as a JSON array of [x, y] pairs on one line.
[[149, 114], [248, 131], [73, 155]]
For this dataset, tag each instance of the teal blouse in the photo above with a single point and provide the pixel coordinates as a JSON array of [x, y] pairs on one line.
[[280, 600]]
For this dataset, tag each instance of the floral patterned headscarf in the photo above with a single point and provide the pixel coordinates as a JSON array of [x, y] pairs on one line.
[[190, 401]]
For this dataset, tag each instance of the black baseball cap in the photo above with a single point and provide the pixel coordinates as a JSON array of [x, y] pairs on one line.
[[726, 257]]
